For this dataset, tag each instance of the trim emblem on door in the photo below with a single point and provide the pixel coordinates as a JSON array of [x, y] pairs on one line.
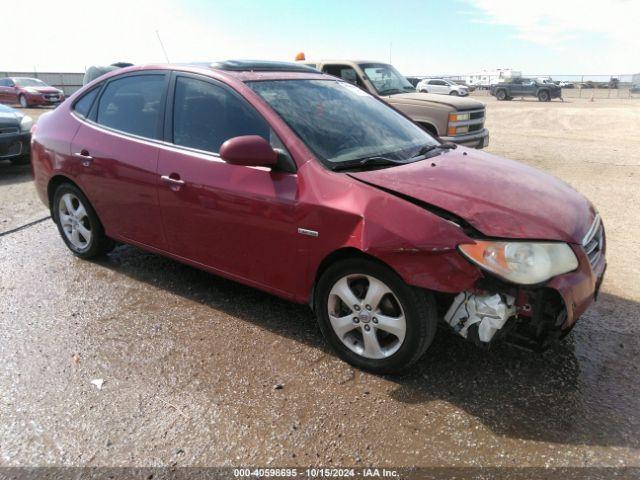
[[311, 233]]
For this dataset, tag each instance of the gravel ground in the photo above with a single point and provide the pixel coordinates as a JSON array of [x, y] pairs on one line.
[[202, 371]]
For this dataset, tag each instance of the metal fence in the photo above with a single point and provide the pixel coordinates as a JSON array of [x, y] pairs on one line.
[[67, 82], [620, 92], [573, 86]]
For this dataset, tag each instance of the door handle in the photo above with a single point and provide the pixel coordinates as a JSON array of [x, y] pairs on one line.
[[85, 157], [172, 181]]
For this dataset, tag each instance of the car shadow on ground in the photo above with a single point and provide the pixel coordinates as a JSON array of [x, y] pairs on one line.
[[10, 173], [574, 393]]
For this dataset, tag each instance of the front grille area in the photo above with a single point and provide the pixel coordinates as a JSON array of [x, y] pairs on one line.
[[475, 123], [12, 149], [8, 130], [593, 242], [477, 114]]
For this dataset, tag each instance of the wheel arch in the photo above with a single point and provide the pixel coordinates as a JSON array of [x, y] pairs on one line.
[[339, 255], [428, 126], [54, 183]]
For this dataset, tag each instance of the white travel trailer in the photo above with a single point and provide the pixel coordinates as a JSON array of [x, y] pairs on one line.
[[486, 78]]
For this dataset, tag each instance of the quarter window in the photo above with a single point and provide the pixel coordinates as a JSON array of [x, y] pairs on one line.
[[83, 105], [206, 115], [133, 105]]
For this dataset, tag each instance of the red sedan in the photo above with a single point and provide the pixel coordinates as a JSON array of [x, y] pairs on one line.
[[303, 185], [28, 92]]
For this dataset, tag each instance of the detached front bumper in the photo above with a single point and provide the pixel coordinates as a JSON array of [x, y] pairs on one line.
[[533, 317], [14, 145], [477, 140]]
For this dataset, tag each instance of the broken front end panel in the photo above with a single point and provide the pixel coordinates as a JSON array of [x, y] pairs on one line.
[[530, 318]]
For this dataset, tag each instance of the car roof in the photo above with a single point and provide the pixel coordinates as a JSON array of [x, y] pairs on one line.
[[242, 70], [261, 66]]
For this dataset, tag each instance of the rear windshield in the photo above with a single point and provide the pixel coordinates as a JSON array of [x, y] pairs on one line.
[[340, 122]]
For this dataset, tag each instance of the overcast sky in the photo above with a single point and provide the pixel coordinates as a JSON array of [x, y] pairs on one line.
[[421, 37]]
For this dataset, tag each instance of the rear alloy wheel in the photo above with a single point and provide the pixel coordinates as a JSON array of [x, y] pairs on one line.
[[544, 96], [78, 223], [372, 318], [23, 101], [501, 95]]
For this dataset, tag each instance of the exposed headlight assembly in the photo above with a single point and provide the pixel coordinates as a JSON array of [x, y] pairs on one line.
[[526, 263], [26, 123]]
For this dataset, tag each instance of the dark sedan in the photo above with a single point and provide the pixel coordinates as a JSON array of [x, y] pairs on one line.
[[15, 135]]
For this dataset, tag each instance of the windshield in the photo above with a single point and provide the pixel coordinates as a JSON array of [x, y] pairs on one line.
[[29, 82], [339, 122], [386, 79]]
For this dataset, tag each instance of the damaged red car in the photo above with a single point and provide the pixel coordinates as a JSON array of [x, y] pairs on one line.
[[305, 186]]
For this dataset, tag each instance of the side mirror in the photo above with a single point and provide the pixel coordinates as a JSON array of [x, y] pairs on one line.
[[249, 150]]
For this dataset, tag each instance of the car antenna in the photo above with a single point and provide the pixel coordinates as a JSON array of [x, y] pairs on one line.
[[162, 45]]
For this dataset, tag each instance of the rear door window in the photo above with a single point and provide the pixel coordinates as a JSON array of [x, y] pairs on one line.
[[207, 115], [344, 72], [133, 104]]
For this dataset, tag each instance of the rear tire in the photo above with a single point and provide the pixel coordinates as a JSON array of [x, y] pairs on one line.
[[501, 95], [383, 333], [23, 101], [78, 223]]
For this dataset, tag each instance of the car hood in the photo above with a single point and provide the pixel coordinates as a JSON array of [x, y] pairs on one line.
[[9, 117], [498, 197], [427, 98]]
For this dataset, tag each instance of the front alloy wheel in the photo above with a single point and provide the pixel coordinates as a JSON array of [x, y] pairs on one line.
[[371, 317], [366, 316], [23, 101]]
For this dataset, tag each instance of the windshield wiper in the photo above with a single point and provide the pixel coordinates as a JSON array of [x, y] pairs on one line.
[[376, 161], [428, 148], [390, 91]]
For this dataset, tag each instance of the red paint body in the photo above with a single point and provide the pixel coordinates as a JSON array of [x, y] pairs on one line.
[[242, 222]]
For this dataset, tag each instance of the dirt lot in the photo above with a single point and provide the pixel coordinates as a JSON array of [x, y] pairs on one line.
[[191, 361]]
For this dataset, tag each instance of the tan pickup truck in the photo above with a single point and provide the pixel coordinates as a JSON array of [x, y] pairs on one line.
[[454, 119]]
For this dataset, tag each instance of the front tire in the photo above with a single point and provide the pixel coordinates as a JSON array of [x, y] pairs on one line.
[[544, 96], [371, 318], [454, 93], [78, 223], [23, 101]]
